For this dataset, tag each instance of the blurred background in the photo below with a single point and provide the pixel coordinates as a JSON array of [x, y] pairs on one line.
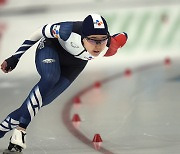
[[153, 28]]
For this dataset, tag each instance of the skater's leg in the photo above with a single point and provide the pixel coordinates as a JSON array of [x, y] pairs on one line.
[[50, 74], [9, 123], [47, 63], [64, 82], [59, 86]]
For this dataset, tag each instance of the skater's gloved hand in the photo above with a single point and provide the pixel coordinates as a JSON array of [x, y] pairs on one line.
[[9, 64], [118, 41]]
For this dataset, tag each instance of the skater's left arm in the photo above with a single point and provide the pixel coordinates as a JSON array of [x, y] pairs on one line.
[[116, 41]]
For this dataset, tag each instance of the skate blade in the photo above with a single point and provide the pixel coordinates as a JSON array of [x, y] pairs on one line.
[[11, 152]]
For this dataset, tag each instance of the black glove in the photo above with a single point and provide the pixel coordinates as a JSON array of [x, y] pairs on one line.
[[11, 63]]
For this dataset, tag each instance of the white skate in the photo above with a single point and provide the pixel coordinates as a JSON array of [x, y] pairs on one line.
[[17, 141]]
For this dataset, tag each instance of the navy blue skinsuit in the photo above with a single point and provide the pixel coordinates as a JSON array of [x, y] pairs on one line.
[[60, 58]]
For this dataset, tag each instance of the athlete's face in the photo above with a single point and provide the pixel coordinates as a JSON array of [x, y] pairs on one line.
[[95, 44]]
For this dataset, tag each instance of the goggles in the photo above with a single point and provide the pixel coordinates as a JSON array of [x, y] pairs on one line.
[[94, 42]]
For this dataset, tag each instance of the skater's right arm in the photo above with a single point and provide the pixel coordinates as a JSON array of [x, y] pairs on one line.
[[47, 31], [10, 63]]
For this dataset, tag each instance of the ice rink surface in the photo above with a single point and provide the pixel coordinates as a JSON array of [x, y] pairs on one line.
[[136, 112]]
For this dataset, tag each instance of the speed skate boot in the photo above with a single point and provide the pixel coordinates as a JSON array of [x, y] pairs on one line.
[[17, 141]]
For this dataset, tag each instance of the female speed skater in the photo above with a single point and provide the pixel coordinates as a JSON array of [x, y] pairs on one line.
[[62, 53]]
